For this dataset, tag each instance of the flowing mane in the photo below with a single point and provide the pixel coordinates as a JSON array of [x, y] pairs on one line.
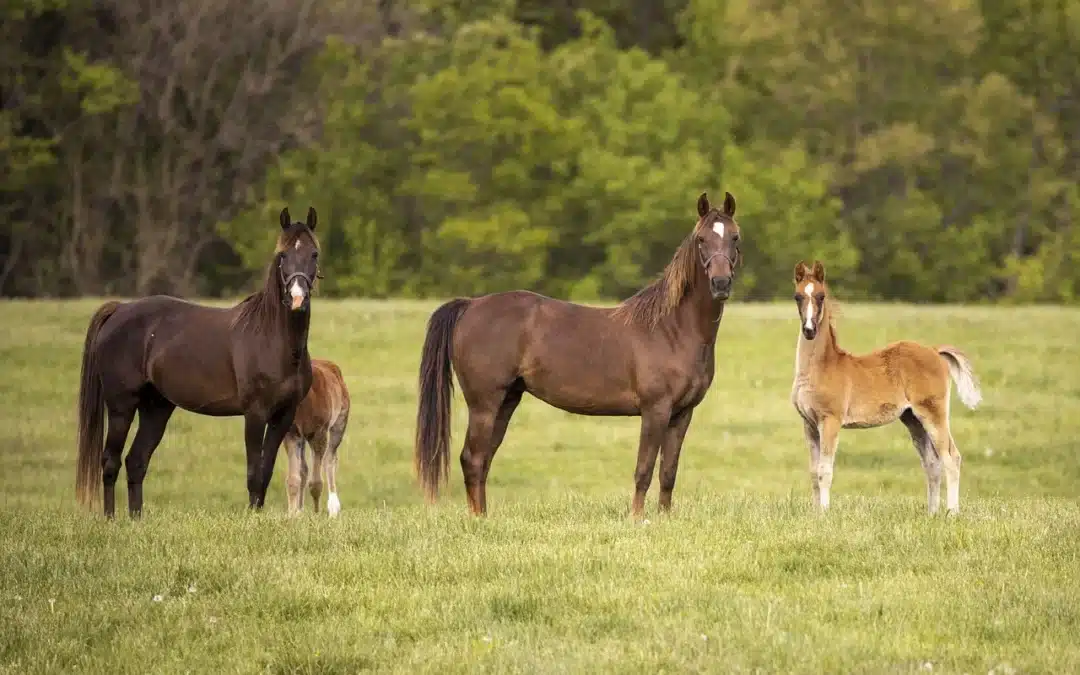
[[652, 303], [263, 305], [834, 309]]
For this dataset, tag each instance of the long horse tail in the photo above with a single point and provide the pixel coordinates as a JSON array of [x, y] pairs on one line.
[[91, 414], [967, 385], [431, 460]]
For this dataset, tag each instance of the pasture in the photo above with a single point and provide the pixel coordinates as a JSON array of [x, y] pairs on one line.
[[742, 576]]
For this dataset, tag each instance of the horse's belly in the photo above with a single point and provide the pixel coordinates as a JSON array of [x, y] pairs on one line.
[[224, 409], [868, 416], [583, 396], [199, 389]]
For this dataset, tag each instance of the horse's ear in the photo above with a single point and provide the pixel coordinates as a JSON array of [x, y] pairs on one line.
[[729, 204], [801, 272], [819, 271], [284, 219], [312, 218], [702, 205]]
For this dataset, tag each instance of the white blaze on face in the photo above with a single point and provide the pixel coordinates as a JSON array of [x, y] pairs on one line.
[[297, 245], [297, 294], [718, 227], [809, 306]]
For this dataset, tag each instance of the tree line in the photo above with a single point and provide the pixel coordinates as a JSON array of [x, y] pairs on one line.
[[925, 149]]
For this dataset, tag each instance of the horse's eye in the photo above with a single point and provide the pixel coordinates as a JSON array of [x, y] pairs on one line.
[[798, 297], [735, 238]]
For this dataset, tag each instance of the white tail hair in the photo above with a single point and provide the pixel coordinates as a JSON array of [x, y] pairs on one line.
[[967, 385]]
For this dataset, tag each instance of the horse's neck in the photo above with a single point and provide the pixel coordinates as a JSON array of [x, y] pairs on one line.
[[299, 327], [811, 354], [700, 311], [296, 325]]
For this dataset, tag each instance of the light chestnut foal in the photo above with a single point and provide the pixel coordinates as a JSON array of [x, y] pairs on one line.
[[320, 420], [834, 389]]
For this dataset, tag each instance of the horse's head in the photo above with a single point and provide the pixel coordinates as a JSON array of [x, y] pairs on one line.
[[717, 236], [810, 294], [298, 259]]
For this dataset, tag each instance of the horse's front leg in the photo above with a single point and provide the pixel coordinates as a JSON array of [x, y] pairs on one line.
[[654, 422], [829, 431], [254, 431], [669, 455], [813, 443], [276, 428]]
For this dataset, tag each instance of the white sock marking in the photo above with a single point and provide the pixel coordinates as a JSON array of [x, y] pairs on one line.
[[718, 227], [333, 505], [810, 306]]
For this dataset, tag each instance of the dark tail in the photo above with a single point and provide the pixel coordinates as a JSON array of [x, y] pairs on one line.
[[91, 414], [432, 455]]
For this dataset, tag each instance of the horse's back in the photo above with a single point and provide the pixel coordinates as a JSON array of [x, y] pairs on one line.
[[130, 332], [572, 356], [182, 348], [910, 357]]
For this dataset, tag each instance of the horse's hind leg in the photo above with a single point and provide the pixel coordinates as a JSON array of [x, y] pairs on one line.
[[928, 456], [154, 413], [318, 459], [330, 466], [487, 429], [334, 436], [934, 416], [120, 419], [326, 459], [952, 475]]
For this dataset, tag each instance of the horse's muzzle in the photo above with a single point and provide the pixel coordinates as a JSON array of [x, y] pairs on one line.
[[809, 333], [298, 294], [720, 287]]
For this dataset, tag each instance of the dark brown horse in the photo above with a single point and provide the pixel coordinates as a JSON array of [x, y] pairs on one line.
[[652, 356], [158, 353]]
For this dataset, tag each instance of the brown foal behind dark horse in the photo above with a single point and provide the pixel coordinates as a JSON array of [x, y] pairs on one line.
[[158, 353], [652, 356]]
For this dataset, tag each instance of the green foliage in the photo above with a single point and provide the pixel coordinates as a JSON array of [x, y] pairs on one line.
[[649, 145], [786, 215], [925, 149], [100, 87]]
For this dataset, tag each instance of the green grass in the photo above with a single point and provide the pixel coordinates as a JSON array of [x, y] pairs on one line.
[[742, 576]]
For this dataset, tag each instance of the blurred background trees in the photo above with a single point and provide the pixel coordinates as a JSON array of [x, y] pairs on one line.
[[926, 149]]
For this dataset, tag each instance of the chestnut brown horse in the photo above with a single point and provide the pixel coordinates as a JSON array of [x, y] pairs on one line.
[[651, 357], [320, 420], [905, 380], [158, 353]]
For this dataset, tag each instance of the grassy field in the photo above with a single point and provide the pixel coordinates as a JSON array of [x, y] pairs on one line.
[[742, 576]]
